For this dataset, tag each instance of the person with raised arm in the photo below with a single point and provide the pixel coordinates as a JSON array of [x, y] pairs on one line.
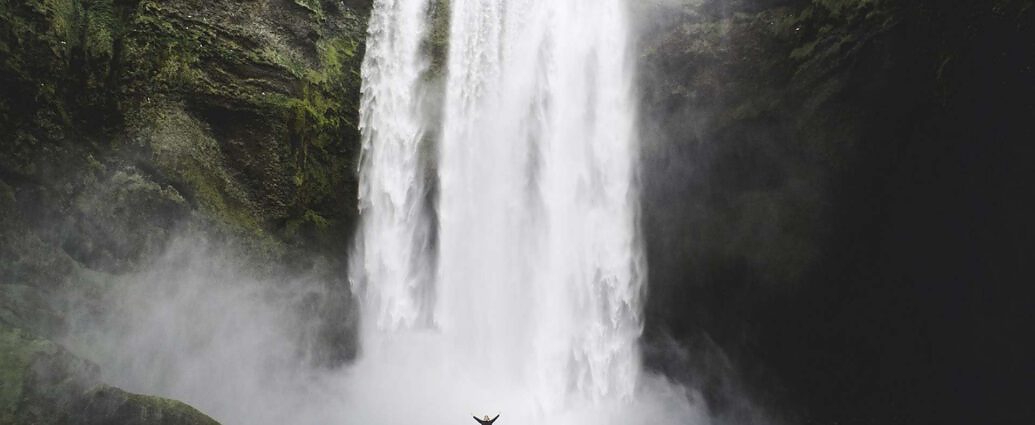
[[485, 420]]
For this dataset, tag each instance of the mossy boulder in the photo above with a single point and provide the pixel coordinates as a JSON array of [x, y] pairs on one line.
[[42, 383]]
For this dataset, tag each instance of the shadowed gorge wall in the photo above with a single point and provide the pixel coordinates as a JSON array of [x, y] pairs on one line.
[[833, 208]]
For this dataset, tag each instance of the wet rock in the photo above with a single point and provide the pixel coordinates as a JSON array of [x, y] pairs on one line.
[[129, 122], [810, 168], [43, 383]]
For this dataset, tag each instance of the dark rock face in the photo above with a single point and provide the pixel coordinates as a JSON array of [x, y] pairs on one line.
[[125, 123], [833, 205], [242, 110]]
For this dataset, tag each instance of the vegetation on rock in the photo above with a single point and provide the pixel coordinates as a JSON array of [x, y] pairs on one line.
[[41, 383], [128, 122]]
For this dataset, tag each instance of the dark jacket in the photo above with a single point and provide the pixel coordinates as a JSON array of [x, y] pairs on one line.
[[488, 422]]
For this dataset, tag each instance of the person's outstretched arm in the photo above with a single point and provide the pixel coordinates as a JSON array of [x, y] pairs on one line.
[[494, 419], [477, 419]]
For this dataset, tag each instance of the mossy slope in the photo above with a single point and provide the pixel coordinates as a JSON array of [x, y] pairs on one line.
[[245, 111], [127, 122], [41, 383]]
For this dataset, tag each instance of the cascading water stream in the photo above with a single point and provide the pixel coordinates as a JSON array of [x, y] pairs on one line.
[[533, 304], [389, 263], [538, 236]]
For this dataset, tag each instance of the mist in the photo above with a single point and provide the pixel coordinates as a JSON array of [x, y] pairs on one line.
[[197, 325]]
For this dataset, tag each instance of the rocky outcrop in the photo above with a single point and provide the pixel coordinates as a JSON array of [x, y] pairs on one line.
[[126, 123], [242, 111], [44, 384], [814, 173]]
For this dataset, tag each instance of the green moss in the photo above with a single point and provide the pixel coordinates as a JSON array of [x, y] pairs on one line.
[[63, 18], [312, 6], [254, 126], [291, 62], [163, 411], [320, 118], [16, 353], [65, 25], [171, 52], [185, 150], [102, 27], [68, 390], [307, 100], [335, 54], [309, 221], [40, 380]]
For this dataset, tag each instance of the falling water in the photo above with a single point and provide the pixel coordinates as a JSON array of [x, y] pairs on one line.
[[393, 238], [533, 305], [539, 258]]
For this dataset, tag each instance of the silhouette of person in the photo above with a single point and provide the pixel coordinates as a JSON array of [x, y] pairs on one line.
[[486, 420]]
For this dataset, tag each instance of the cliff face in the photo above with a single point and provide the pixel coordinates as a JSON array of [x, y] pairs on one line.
[[831, 204], [127, 123], [241, 111]]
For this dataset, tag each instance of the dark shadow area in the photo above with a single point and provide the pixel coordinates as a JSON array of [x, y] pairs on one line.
[[837, 203]]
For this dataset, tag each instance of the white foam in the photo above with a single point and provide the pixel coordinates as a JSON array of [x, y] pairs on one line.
[[534, 305]]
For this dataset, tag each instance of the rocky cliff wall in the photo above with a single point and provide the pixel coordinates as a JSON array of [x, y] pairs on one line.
[[127, 124], [832, 204]]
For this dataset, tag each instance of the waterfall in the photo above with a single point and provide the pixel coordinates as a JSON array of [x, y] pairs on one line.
[[530, 300], [538, 247], [389, 263]]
